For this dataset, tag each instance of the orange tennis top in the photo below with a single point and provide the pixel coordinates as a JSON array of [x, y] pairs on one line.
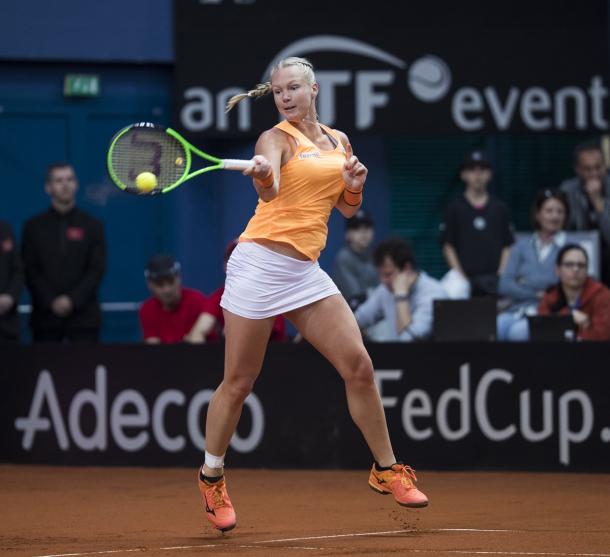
[[310, 185]]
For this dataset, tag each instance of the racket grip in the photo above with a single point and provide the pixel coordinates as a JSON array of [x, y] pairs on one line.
[[237, 164]]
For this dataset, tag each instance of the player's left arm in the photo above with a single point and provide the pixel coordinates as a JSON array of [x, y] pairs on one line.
[[354, 177]]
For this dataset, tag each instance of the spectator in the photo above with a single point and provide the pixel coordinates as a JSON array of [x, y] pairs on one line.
[[531, 265], [11, 282], [404, 297], [64, 256], [589, 198], [211, 323], [169, 316], [476, 234], [354, 272], [578, 294]]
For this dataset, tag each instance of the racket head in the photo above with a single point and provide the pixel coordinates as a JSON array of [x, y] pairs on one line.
[[148, 147]]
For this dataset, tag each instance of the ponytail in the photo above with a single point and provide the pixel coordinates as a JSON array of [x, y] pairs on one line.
[[260, 90]]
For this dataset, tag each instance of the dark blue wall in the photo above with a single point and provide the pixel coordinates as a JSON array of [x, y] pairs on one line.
[[129, 44], [39, 126], [87, 30]]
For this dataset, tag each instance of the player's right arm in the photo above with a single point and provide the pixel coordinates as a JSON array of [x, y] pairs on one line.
[[270, 149]]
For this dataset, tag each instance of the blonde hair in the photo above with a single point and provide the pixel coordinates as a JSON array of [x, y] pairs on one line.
[[264, 88]]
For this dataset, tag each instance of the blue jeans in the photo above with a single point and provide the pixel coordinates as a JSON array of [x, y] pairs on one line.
[[512, 326]]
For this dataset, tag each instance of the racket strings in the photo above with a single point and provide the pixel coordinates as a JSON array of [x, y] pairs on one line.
[[142, 150]]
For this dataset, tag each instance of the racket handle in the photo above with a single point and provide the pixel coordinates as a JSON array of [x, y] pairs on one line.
[[237, 164]]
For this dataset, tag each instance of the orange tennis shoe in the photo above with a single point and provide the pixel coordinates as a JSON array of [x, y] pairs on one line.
[[218, 507], [399, 480]]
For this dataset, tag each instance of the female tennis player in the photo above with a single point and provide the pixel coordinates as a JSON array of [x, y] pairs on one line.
[[302, 170]]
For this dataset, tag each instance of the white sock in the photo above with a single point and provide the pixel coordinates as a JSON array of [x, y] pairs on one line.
[[212, 461]]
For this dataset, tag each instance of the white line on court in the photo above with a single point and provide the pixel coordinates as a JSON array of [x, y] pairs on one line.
[[175, 548], [354, 535], [95, 552], [537, 553], [403, 531]]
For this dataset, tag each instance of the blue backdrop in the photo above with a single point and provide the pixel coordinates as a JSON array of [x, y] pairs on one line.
[[133, 55]]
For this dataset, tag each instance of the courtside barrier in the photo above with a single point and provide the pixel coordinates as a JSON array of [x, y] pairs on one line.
[[449, 406]]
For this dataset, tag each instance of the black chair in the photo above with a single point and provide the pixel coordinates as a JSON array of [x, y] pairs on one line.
[[465, 320]]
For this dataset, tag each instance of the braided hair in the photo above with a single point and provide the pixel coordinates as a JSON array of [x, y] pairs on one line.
[[264, 88]]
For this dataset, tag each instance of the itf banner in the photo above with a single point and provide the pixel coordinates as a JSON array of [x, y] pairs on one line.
[[449, 406], [406, 67]]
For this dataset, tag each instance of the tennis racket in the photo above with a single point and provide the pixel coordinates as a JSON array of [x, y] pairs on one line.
[[147, 147]]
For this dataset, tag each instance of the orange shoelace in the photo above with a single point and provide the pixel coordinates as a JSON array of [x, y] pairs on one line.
[[218, 496], [408, 477]]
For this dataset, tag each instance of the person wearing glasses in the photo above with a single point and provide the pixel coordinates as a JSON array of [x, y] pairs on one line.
[[588, 195], [576, 293]]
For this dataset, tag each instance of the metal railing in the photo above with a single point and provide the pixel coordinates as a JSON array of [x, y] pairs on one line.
[[105, 306]]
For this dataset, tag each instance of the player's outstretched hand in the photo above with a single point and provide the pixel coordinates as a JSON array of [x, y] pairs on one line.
[[261, 169], [354, 172]]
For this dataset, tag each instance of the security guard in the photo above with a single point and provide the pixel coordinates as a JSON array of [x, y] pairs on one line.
[[64, 255]]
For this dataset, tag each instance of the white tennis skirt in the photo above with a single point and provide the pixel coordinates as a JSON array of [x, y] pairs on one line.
[[261, 283]]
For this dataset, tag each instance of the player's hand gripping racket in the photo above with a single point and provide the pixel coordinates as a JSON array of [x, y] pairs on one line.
[[146, 158]]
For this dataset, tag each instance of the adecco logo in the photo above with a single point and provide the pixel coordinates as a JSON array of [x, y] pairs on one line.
[[129, 420], [428, 79]]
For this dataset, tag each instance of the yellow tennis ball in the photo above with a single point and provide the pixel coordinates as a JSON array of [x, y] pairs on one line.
[[146, 182], [179, 161]]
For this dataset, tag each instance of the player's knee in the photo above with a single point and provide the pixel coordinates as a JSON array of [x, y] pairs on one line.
[[239, 388], [360, 372]]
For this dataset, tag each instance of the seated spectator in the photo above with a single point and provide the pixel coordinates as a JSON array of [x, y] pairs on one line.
[[578, 294], [354, 272], [170, 315], [211, 323], [588, 196], [531, 265], [11, 283], [404, 297], [476, 234]]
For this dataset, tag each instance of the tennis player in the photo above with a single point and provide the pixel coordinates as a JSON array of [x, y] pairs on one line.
[[302, 170]]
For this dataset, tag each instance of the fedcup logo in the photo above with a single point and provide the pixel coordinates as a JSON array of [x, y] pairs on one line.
[[428, 79]]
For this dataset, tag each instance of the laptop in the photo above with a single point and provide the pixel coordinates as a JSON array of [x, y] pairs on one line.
[[464, 320], [552, 327]]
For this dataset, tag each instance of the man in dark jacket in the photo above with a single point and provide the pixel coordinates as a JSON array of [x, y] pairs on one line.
[[64, 256], [11, 282], [589, 198]]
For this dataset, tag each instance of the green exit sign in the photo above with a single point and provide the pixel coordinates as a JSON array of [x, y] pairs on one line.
[[81, 85]]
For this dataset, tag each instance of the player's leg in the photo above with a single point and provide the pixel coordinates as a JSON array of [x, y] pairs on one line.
[[329, 325], [245, 345]]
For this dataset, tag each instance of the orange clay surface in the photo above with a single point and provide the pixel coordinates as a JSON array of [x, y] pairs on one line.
[[127, 512]]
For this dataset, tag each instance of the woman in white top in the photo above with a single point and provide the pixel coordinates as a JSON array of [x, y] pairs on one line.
[[531, 265]]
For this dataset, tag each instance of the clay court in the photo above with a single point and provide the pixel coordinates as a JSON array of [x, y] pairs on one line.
[[51, 511]]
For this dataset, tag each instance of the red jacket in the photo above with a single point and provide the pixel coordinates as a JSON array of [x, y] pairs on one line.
[[594, 301]]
